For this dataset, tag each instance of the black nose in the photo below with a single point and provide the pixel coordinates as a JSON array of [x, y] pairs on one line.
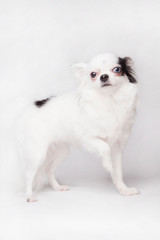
[[104, 78]]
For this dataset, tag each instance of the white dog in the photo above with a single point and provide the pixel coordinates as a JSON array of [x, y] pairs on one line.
[[97, 116]]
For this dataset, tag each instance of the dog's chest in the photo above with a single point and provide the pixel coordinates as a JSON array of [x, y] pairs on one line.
[[111, 116]]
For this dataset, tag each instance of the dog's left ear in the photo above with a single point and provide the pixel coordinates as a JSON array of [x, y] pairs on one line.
[[79, 69], [127, 66]]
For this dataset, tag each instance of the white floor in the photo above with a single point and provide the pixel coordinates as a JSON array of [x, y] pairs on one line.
[[90, 210]]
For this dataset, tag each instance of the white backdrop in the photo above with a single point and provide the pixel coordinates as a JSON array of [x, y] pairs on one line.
[[40, 40]]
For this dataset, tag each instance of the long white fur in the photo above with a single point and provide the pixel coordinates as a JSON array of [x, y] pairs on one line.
[[96, 118]]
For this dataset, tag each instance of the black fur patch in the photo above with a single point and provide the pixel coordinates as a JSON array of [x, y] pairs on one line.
[[127, 69], [40, 103]]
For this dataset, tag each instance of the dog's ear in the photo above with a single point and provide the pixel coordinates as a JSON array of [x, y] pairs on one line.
[[79, 69], [127, 66]]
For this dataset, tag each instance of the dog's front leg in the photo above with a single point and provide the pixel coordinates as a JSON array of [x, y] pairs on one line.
[[116, 173], [102, 149]]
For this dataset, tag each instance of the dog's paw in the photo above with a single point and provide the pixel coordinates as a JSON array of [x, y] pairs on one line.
[[128, 191], [31, 199], [61, 188]]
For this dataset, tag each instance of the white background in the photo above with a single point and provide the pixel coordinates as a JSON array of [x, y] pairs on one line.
[[39, 41]]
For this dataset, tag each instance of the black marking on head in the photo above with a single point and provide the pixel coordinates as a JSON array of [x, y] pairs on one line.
[[127, 69], [40, 103]]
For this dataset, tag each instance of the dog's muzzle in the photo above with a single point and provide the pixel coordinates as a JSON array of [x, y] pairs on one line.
[[106, 84], [104, 78]]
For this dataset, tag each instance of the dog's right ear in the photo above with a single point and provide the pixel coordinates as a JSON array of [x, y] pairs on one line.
[[79, 69]]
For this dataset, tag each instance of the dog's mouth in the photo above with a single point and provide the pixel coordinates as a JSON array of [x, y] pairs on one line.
[[106, 85]]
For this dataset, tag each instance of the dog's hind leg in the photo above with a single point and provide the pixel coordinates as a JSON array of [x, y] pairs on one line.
[[55, 156], [30, 174], [32, 168], [117, 173], [35, 155]]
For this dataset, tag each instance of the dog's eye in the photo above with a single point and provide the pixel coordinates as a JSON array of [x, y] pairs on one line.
[[93, 74], [117, 70]]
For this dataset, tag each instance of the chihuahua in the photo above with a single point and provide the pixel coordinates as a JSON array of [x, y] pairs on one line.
[[97, 116]]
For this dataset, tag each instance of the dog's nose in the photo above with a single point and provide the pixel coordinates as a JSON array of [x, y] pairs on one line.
[[104, 78]]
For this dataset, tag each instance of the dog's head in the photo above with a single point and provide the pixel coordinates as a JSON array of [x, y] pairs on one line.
[[106, 71]]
